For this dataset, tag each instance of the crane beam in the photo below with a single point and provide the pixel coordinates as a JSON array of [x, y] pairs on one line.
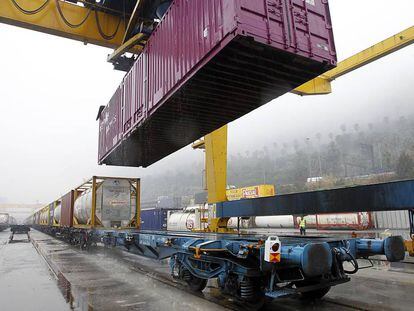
[[125, 47], [132, 21], [49, 20], [322, 84]]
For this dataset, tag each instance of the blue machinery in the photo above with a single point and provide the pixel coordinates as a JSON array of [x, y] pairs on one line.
[[304, 266], [252, 267], [307, 267]]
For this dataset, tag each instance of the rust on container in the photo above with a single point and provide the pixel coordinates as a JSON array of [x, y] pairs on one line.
[[209, 63]]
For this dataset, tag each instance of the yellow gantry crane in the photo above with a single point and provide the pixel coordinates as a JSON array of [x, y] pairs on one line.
[[105, 23], [66, 19], [322, 84], [215, 144]]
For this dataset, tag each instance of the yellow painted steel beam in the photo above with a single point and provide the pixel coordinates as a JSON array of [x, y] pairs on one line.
[[199, 144], [93, 211], [132, 22], [409, 246], [215, 145], [322, 84], [48, 20], [216, 164], [127, 46]]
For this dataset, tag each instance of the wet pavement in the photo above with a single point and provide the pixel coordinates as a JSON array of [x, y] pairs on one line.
[[97, 281], [25, 280], [108, 279]]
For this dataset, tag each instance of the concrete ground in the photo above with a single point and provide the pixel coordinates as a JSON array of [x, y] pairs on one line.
[[116, 280], [25, 280]]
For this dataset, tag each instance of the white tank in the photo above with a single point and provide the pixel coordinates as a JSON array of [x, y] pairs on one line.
[[274, 221], [244, 223], [57, 213], [181, 221], [4, 219], [115, 206]]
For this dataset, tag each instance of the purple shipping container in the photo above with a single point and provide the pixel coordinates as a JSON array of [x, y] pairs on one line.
[[208, 63], [110, 125]]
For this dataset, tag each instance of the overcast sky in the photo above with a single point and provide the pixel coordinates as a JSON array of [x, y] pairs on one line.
[[51, 88]]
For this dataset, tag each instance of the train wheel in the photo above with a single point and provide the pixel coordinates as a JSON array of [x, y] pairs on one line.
[[194, 283]]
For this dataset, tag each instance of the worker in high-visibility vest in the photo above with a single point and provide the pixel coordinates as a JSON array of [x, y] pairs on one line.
[[302, 226]]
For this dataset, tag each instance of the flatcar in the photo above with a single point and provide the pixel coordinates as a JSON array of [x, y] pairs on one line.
[[106, 210]]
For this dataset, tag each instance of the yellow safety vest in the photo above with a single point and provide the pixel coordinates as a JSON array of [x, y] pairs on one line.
[[302, 223]]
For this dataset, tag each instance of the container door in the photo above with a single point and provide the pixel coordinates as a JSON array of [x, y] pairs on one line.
[[266, 20], [66, 218], [140, 85], [311, 28], [129, 99], [110, 128], [163, 219]]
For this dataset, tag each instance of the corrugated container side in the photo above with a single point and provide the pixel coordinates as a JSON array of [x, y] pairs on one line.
[[312, 29], [135, 94], [66, 218], [211, 62], [151, 220], [110, 124], [392, 220], [189, 31], [154, 219]]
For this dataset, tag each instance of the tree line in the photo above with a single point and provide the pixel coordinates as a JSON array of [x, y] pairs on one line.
[[352, 154]]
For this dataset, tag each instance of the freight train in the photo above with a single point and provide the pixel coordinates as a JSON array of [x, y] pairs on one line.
[[106, 210], [6, 221], [99, 202]]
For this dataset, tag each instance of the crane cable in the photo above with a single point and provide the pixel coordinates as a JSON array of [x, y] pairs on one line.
[[69, 24], [103, 35], [30, 12], [66, 21]]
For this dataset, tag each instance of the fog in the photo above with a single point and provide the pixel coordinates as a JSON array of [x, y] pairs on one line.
[[51, 88]]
